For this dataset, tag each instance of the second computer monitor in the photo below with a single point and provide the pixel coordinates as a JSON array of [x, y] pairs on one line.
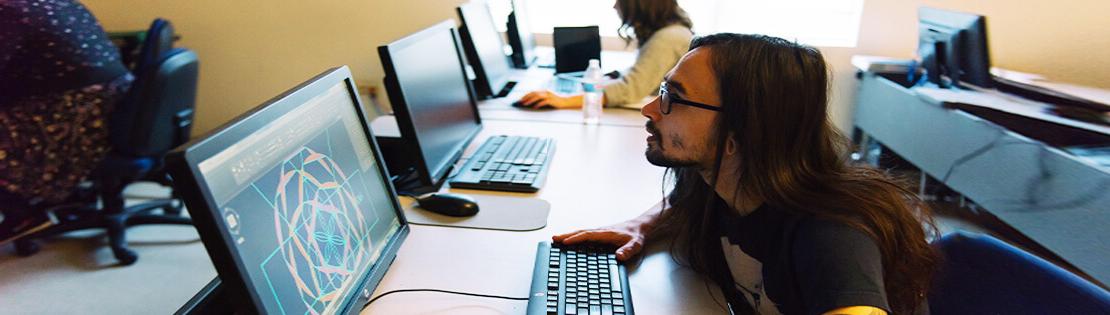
[[953, 47], [484, 49], [434, 105], [520, 36]]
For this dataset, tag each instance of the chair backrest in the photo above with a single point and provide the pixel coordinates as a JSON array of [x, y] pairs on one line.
[[158, 41], [982, 275], [157, 114]]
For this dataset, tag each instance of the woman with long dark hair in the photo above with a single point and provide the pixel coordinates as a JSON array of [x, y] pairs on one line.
[[765, 203], [662, 32]]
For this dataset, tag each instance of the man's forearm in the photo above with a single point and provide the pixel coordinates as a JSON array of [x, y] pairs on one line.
[[649, 219]]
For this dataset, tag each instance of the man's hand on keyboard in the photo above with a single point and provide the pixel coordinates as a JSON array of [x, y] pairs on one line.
[[628, 236]]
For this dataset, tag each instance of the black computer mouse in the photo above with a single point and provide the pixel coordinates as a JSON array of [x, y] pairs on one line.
[[519, 104], [449, 204]]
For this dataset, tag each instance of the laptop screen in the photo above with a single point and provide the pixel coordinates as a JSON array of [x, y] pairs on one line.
[[302, 204]]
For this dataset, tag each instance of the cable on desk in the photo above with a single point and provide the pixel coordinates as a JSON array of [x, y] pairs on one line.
[[443, 291]]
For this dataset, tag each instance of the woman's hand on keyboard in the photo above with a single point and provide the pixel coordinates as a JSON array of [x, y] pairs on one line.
[[628, 236], [548, 99]]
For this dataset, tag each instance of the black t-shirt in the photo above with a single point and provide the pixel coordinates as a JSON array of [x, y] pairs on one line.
[[809, 265]]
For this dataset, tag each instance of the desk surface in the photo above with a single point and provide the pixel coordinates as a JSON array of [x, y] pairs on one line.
[[598, 176]]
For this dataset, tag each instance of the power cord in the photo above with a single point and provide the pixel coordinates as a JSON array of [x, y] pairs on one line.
[[443, 291]]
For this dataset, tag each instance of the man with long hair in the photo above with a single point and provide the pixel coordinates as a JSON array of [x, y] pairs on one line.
[[765, 203], [662, 32]]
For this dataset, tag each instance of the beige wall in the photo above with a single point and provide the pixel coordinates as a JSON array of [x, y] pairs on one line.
[[253, 50]]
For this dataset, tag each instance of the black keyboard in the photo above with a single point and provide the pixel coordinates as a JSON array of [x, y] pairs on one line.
[[508, 163], [578, 280]]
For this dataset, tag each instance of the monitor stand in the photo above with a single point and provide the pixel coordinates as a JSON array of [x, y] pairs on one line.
[[211, 300], [508, 88]]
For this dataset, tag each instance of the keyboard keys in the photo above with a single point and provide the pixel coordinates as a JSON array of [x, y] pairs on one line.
[[584, 281], [507, 163], [614, 278]]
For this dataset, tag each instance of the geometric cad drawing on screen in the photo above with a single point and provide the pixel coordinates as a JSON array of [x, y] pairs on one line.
[[318, 217]]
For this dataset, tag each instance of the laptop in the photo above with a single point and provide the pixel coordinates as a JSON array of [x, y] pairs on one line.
[[574, 47], [293, 203]]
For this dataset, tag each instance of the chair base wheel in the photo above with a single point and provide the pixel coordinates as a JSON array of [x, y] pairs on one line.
[[26, 247], [125, 256]]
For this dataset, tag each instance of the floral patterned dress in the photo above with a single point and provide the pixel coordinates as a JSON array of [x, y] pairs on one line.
[[60, 77]]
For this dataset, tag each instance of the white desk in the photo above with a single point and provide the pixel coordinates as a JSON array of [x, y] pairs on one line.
[[598, 176]]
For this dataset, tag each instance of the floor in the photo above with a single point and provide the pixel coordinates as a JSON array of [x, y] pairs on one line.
[[77, 274]]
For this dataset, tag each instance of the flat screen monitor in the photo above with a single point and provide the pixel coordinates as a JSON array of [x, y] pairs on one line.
[[575, 46], [484, 49], [521, 39], [293, 202], [953, 47], [433, 102]]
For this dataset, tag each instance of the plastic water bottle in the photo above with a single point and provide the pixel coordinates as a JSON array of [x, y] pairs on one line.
[[591, 102]]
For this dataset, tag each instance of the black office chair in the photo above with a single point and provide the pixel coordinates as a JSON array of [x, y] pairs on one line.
[[142, 48], [154, 116], [159, 40]]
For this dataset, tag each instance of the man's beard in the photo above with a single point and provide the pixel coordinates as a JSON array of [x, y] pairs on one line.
[[654, 151]]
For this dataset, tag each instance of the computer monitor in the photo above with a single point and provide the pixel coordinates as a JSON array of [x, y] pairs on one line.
[[520, 36], [435, 107], [953, 48], [484, 49], [575, 46], [293, 203]]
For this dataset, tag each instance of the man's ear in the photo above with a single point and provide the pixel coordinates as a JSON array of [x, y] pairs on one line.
[[731, 145]]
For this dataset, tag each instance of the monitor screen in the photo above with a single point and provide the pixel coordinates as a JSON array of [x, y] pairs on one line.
[[485, 48], [953, 48], [431, 98], [520, 35], [293, 202]]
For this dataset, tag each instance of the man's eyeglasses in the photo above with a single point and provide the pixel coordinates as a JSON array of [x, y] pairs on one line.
[[666, 100]]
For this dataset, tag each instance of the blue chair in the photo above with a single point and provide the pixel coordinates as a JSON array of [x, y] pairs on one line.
[[153, 118], [982, 275]]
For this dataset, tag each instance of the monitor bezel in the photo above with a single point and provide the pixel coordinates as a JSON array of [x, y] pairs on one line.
[[182, 163], [524, 53], [489, 86], [402, 112]]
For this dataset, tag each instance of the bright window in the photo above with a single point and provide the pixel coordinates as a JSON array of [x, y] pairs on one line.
[[828, 23]]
